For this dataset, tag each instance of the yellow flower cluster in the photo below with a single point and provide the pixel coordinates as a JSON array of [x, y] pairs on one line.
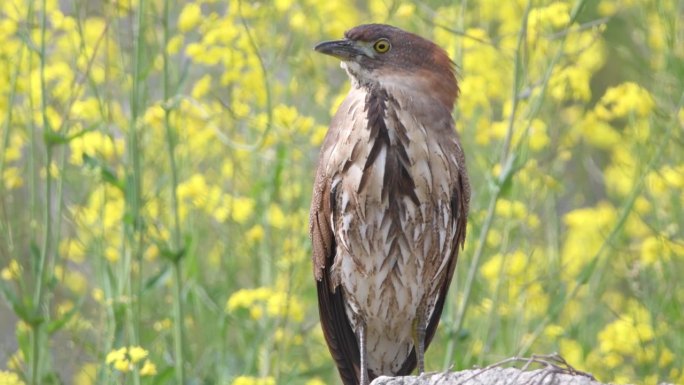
[[10, 378], [11, 272], [266, 301], [521, 288], [211, 199], [247, 380], [587, 229], [126, 359], [623, 100]]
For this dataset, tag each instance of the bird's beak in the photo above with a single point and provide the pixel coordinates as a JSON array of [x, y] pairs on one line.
[[341, 49]]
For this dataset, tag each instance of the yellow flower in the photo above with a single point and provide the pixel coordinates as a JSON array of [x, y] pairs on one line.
[[283, 5], [554, 331], [621, 174], [164, 324], [628, 335], [598, 132], [623, 100], [256, 312], [284, 116], [283, 304], [16, 360], [318, 135], [98, 295], [666, 357], [246, 380], [148, 369], [405, 11], [122, 365], [10, 378], [136, 353], [243, 208], [190, 17], [265, 301], [510, 209], [12, 178], [72, 249], [174, 44], [571, 350], [12, 271], [86, 375], [125, 358], [276, 217], [538, 138], [587, 229], [570, 83], [315, 381], [255, 234], [652, 250], [75, 281], [202, 86], [116, 355], [111, 254]]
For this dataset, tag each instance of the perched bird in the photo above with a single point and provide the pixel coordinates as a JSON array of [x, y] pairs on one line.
[[390, 202]]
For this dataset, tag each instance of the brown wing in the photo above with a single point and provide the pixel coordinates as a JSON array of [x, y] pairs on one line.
[[460, 201], [338, 333]]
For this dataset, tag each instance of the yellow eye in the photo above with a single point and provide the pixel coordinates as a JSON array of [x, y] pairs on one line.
[[381, 46]]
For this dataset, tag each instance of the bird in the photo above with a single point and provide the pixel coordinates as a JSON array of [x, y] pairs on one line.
[[389, 204]]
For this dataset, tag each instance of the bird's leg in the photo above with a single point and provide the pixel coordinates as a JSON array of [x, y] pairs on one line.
[[363, 380], [418, 327]]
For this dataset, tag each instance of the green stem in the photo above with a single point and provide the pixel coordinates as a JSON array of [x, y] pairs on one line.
[[472, 271], [36, 324], [176, 239], [134, 226], [178, 324]]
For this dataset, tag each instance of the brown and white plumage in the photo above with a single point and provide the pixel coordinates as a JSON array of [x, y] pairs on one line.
[[390, 202]]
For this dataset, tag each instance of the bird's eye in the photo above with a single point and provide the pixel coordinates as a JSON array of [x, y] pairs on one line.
[[381, 46]]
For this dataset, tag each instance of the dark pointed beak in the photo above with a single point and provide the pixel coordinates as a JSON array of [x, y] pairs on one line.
[[341, 49]]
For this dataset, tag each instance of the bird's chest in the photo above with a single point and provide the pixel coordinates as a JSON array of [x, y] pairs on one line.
[[391, 198]]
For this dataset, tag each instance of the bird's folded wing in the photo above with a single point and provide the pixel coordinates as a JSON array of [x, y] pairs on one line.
[[460, 201], [336, 329]]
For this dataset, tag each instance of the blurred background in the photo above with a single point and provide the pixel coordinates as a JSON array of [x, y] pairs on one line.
[[157, 158]]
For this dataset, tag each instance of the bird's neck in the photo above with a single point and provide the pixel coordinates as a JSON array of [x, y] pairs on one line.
[[421, 86]]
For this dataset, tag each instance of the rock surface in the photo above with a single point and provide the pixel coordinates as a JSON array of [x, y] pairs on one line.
[[487, 376]]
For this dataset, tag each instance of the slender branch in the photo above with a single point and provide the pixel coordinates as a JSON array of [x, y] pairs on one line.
[[134, 229], [171, 135], [36, 326]]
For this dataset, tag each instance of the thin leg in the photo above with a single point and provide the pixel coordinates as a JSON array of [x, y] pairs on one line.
[[419, 341], [362, 347]]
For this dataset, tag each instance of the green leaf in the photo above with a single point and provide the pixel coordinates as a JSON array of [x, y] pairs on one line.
[[59, 323], [54, 138], [158, 279], [587, 271], [35, 257], [108, 175], [172, 255], [19, 308]]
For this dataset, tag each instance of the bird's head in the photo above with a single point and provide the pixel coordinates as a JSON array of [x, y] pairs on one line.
[[399, 61]]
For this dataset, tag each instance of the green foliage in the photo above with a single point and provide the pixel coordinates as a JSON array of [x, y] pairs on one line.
[[156, 163]]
